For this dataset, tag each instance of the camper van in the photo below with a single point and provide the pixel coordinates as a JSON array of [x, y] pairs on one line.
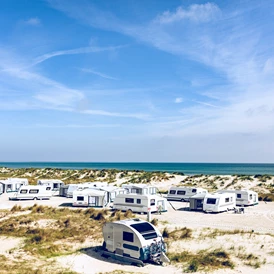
[[32, 193], [140, 189], [139, 203], [219, 202], [135, 241], [183, 193], [244, 197], [13, 184], [53, 183], [89, 197]]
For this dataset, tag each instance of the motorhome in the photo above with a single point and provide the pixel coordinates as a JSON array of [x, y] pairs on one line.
[[31, 192], [13, 184], [53, 183], [134, 241], [183, 193], [219, 202], [244, 197], [90, 197], [140, 203], [140, 189]]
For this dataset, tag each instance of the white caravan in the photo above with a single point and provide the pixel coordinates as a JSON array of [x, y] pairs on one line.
[[31, 192], [89, 197], [13, 184], [219, 202], [244, 197], [140, 203], [140, 188], [183, 193], [53, 183], [135, 241], [71, 188]]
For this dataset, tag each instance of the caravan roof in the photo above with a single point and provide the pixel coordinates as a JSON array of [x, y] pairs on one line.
[[90, 191]]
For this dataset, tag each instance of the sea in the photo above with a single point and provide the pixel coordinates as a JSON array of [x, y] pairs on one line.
[[186, 168]]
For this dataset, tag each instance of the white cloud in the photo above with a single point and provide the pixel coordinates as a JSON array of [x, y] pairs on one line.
[[98, 74], [197, 13], [179, 100], [84, 50], [34, 21]]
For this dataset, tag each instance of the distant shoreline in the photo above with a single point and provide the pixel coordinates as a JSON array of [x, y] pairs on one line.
[[186, 168]]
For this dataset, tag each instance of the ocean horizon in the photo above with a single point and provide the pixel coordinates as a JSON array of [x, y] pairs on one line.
[[186, 168]]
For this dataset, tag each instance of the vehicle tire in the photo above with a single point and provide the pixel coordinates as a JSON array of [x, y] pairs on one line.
[[35, 198]]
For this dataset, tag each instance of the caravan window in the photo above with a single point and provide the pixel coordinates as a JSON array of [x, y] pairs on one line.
[[172, 192], [226, 200], [80, 198], [48, 188], [152, 202], [23, 191], [211, 201], [194, 190], [34, 191], [250, 196], [55, 185], [146, 230], [128, 236], [129, 200], [181, 192], [138, 201], [239, 196]]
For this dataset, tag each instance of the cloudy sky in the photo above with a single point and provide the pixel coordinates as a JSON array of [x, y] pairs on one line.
[[127, 80]]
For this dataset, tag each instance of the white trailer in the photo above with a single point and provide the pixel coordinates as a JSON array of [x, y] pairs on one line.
[[244, 197], [31, 192], [140, 188], [219, 202], [71, 188], [135, 241], [184, 193], [53, 183], [140, 203], [13, 184], [90, 197]]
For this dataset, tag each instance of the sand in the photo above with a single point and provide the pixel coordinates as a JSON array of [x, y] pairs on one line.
[[257, 219]]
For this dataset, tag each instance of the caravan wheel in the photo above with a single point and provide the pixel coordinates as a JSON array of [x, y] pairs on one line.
[[35, 198]]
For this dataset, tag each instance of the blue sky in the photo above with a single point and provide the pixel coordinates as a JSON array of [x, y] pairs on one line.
[[127, 80]]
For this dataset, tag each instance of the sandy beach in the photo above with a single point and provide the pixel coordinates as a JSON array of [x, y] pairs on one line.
[[240, 235]]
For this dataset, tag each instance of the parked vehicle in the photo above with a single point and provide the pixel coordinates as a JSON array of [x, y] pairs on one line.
[[134, 241], [12, 184], [219, 202], [90, 197], [244, 197], [183, 193], [31, 192], [140, 203], [53, 183], [140, 188]]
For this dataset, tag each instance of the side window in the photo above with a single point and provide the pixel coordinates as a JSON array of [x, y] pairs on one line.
[[55, 185], [48, 188], [138, 201], [226, 200], [34, 191], [194, 190], [129, 200], [80, 198], [128, 236], [250, 196], [181, 192], [239, 195], [172, 192], [211, 201], [152, 202], [23, 191]]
